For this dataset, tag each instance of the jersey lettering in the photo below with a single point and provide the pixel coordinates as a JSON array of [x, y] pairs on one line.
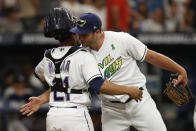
[[51, 69], [105, 61], [111, 67], [66, 84], [57, 98], [66, 67]]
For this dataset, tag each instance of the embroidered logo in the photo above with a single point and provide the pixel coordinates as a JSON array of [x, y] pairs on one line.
[[113, 47], [81, 23]]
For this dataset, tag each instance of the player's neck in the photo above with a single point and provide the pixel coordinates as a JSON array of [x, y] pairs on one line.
[[99, 42], [69, 42]]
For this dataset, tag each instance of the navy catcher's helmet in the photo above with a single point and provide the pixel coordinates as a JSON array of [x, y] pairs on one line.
[[58, 23]]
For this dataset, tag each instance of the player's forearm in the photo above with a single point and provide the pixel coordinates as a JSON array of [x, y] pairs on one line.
[[163, 62], [44, 98], [110, 88]]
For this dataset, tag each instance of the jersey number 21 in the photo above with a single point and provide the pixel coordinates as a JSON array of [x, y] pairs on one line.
[[58, 98], [66, 83]]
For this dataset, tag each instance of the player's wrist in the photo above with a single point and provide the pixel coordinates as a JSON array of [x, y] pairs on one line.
[[41, 100], [127, 90], [181, 71]]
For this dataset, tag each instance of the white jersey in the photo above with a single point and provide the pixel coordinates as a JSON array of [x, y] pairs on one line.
[[117, 61], [76, 71]]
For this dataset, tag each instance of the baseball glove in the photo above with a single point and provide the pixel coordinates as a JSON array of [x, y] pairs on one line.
[[180, 95]]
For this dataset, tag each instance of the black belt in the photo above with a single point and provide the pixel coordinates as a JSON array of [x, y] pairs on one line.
[[64, 107], [69, 91], [128, 100], [122, 102]]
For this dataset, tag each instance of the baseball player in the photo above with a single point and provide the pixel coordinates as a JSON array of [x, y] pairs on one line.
[[69, 71], [116, 54]]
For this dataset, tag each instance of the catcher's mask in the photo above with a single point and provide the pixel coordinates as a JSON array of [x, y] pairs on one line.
[[58, 23]]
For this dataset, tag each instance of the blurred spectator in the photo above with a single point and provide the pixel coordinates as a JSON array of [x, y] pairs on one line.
[[1, 9], [45, 6], [173, 8], [10, 3], [16, 95], [173, 19], [133, 4], [156, 24], [97, 7], [30, 80], [186, 24], [100, 10], [180, 6], [9, 78], [72, 5], [87, 6], [193, 7], [139, 16], [10, 24], [118, 15], [153, 5], [29, 10], [143, 10], [40, 26]]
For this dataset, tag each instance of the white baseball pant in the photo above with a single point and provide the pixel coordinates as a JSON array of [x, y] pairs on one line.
[[144, 115], [69, 119]]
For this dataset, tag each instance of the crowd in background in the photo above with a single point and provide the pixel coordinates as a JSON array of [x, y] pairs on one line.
[[17, 82], [17, 16]]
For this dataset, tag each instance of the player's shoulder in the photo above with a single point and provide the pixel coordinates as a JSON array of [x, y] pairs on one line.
[[57, 52], [117, 35], [83, 52]]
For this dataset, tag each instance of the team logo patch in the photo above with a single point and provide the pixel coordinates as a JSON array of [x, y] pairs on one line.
[[113, 47], [110, 66], [81, 23]]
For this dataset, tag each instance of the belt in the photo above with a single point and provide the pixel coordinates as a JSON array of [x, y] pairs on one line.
[[122, 102], [64, 107], [69, 91], [128, 100]]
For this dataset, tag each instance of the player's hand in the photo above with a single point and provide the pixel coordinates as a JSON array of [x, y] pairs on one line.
[[31, 107], [135, 93], [182, 78]]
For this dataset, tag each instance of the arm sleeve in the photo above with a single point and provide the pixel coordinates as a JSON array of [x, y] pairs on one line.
[[45, 71], [90, 68], [135, 48], [39, 70], [96, 83]]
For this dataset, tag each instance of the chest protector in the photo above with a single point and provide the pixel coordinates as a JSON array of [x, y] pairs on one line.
[[58, 86]]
